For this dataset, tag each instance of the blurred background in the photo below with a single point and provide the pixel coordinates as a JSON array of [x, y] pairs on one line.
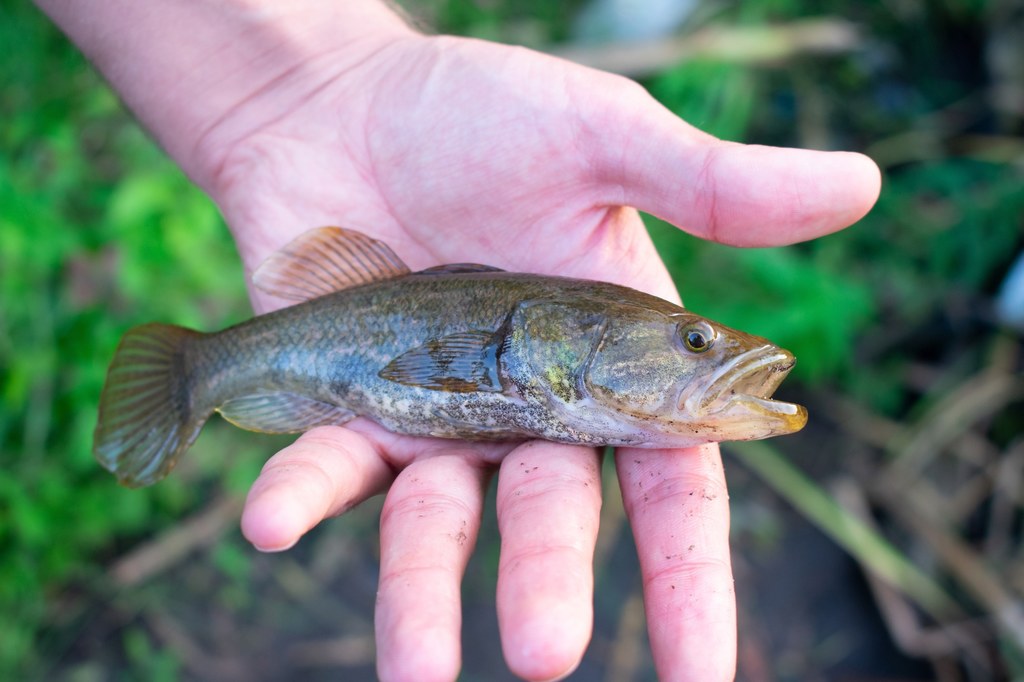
[[881, 543]]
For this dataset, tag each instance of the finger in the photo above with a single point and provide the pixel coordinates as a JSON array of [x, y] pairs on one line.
[[428, 528], [323, 473], [548, 501], [678, 507], [745, 195]]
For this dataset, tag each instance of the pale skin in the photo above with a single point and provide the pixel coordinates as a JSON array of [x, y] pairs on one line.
[[301, 114]]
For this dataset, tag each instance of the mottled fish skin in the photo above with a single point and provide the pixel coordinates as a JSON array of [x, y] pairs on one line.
[[334, 349], [461, 351]]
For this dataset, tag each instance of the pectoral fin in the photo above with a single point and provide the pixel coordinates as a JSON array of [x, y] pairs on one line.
[[281, 413], [459, 363]]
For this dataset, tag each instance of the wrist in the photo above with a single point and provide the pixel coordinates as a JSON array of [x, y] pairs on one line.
[[198, 74]]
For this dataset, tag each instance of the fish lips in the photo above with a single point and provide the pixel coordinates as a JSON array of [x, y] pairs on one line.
[[741, 391]]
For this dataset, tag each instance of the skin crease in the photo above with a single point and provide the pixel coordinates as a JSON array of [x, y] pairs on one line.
[[449, 150]]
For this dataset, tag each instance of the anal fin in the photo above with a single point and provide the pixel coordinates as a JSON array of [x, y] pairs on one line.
[[282, 412]]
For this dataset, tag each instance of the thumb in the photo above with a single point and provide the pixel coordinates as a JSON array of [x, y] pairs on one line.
[[744, 195]]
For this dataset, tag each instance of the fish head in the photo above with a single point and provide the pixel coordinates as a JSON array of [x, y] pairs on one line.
[[678, 378]]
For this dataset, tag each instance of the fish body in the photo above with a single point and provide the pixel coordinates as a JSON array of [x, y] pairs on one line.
[[460, 351]]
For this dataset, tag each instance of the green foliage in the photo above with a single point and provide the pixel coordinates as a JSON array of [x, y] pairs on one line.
[[99, 231], [951, 224], [535, 22], [150, 663], [718, 98]]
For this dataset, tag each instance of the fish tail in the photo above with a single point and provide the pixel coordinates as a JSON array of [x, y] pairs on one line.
[[147, 416]]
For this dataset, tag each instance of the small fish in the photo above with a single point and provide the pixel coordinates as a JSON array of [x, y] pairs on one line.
[[456, 351]]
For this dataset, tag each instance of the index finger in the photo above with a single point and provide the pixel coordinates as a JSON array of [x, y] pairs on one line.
[[678, 506], [327, 470]]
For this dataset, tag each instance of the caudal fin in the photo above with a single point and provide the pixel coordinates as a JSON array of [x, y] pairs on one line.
[[146, 417]]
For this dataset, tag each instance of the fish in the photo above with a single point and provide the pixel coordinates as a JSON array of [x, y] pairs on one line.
[[463, 351]]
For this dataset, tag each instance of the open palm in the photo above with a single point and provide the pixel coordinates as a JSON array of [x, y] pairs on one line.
[[453, 150]]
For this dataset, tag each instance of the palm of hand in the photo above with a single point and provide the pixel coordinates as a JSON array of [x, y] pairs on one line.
[[446, 164], [451, 151]]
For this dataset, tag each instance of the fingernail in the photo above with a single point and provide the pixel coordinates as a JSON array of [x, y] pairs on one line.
[[271, 549], [570, 671]]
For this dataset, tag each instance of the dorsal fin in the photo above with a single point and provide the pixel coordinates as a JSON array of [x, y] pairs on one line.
[[326, 260], [457, 268]]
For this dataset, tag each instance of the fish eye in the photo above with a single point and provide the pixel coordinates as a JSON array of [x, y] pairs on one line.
[[698, 337]]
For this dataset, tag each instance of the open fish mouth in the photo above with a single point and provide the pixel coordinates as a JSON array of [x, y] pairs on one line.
[[748, 381]]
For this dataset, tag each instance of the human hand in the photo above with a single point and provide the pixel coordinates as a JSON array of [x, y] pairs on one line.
[[452, 150], [296, 115]]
